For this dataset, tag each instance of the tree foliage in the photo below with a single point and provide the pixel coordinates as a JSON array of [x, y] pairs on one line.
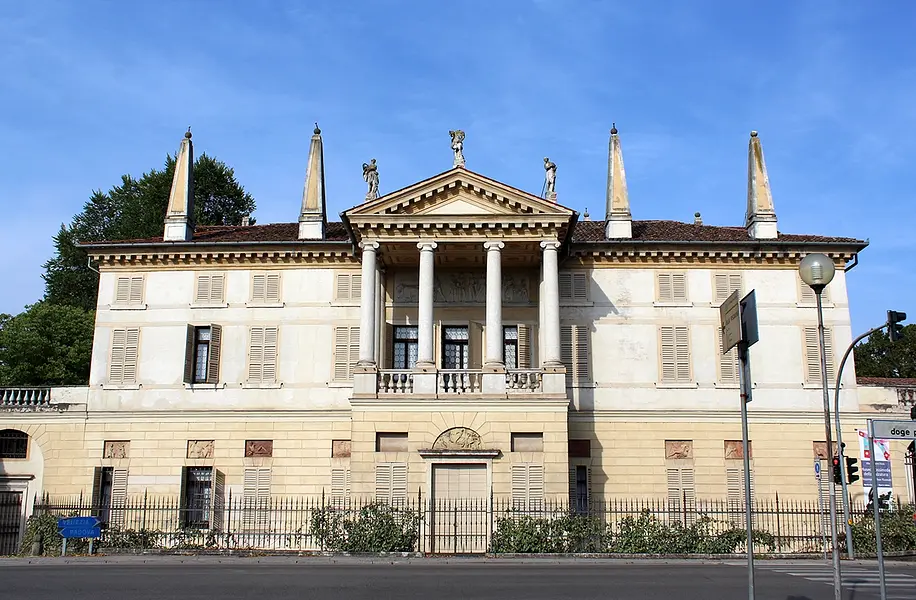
[[135, 209], [879, 357], [48, 344]]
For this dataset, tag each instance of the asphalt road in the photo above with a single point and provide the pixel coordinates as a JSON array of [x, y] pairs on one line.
[[166, 578]]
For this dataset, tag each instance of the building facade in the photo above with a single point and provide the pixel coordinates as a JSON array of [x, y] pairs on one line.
[[455, 339]]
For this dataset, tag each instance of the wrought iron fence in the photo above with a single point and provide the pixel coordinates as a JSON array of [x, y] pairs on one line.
[[445, 526]]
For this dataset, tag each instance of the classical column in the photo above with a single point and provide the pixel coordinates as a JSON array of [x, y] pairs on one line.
[[367, 306], [494, 358], [425, 308], [551, 302]]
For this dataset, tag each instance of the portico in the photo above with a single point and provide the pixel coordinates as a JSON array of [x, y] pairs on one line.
[[456, 272]]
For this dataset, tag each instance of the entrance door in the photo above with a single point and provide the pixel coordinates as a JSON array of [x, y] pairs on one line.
[[460, 520], [10, 519]]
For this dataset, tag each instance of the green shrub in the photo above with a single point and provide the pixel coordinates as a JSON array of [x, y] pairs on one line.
[[44, 525], [558, 534], [374, 528], [131, 539], [898, 531]]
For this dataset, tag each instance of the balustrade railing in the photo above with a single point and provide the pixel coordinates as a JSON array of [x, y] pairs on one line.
[[523, 380], [24, 397], [459, 381], [395, 382]]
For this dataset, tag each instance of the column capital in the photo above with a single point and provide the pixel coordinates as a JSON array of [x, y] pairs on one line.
[[494, 245], [427, 246], [550, 245], [369, 245]]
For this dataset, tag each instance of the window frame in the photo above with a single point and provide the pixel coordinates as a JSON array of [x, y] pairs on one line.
[[408, 342], [124, 363], [5, 443], [577, 283], [677, 381], [674, 300], [209, 302], [352, 353], [190, 507], [135, 283], [351, 281], [267, 300], [261, 381]]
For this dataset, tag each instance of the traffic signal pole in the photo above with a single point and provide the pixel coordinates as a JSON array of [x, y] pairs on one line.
[[850, 551]]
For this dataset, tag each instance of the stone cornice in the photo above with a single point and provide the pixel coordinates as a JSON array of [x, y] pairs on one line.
[[152, 257], [706, 252]]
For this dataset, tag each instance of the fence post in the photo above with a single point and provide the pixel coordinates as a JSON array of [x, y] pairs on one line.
[[778, 527]]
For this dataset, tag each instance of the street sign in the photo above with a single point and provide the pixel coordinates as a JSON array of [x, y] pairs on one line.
[[817, 470], [749, 333], [894, 430], [730, 319], [79, 527]]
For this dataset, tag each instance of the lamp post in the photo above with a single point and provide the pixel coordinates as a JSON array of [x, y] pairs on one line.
[[817, 271]]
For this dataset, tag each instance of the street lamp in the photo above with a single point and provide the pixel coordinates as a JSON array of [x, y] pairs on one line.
[[817, 271]]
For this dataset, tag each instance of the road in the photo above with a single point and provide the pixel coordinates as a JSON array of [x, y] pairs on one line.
[[285, 578]]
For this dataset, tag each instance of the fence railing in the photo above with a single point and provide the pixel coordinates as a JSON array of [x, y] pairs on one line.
[[475, 525]]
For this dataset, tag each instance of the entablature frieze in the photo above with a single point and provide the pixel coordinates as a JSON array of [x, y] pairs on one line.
[[228, 259]]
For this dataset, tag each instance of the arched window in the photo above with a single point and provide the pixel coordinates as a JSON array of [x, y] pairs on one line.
[[14, 444]]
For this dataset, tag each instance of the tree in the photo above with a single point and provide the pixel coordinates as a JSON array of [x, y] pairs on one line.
[[47, 344], [136, 209], [879, 357]]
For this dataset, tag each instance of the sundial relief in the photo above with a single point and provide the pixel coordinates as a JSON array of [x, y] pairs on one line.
[[462, 287]]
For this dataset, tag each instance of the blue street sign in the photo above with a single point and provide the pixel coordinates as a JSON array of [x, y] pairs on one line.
[[77, 522], [90, 532], [79, 527], [817, 470]]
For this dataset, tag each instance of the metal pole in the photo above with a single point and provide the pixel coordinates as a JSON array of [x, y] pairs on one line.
[[745, 398], [837, 579], [874, 504], [850, 551]]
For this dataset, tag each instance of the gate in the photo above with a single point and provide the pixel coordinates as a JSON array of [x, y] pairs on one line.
[[10, 521]]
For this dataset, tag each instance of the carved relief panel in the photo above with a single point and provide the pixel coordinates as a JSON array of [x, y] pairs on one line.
[[462, 287], [458, 438], [200, 448], [116, 449], [734, 449], [678, 449], [259, 448]]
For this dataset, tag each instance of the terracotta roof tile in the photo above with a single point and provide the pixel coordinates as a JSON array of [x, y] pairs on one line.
[[887, 381], [676, 231]]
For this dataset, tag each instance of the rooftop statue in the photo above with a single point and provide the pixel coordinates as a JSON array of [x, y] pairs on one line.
[[458, 147], [370, 175]]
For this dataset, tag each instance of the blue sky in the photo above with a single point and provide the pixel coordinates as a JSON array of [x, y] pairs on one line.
[[92, 90]]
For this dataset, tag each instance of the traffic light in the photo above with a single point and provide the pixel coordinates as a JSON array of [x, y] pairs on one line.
[[837, 471], [894, 328], [884, 501], [851, 470]]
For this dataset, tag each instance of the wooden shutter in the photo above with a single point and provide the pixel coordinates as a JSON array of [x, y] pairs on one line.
[[216, 337], [349, 286], [580, 287], [340, 483], [520, 486], [218, 493], [391, 482], [217, 285], [681, 492], [669, 354], [725, 284], [136, 289], [565, 283], [269, 368], [259, 287], [582, 374], [189, 352], [203, 290], [535, 485], [272, 293], [476, 348], [674, 489], [524, 346], [96, 489], [729, 366], [665, 290], [399, 482], [255, 354], [346, 352], [122, 291], [672, 287], [573, 492], [256, 494], [688, 488], [567, 351], [118, 346], [118, 497], [813, 356]]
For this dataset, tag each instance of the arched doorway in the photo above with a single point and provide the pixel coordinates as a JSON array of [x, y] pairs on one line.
[[21, 467]]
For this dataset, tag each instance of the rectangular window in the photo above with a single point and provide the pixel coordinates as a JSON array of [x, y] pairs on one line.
[[129, 290], [527, 486], [672, 286], [197, 497], [14, 444], [262, 355], [391, 482], [391, 442], [580, 488], [573, 286], [109, 492], [455, 348], [349, 286], [346, 352], [813, 356], [265, 288], [510, 347], [580, 448], [210, 289], [725, 284], [124, 348], [729, 366], [681, 494], [527, 442], [202, 352], [405, 347], [574, 352], [256, 498], [675, 354], [807, 295]]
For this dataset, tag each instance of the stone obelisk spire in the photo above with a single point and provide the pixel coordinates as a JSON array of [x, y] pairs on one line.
[[760, 219], [312, 217], [618, 220], [179, 217]]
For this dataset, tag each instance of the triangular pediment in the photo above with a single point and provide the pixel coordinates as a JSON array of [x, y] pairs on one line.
[[457, 193]]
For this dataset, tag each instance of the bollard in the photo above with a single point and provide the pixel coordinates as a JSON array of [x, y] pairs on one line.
[[37, 544]]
